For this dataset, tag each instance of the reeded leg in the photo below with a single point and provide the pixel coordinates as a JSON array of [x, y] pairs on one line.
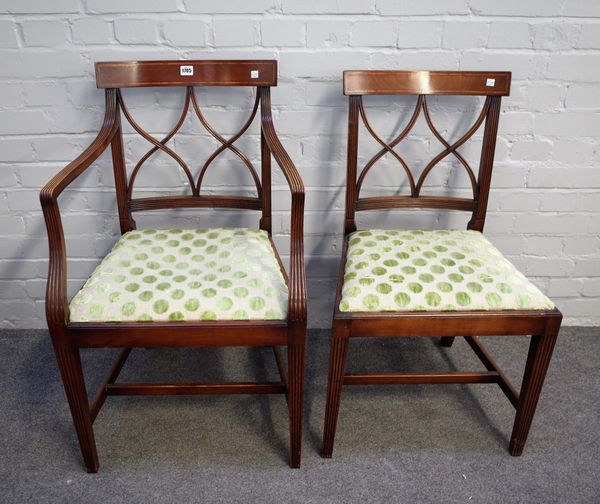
[[69, 364], [337, 366], [447, 341], [296, 356], [538, 359]]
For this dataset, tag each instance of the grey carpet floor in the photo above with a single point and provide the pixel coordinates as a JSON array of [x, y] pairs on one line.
[[418, 443]]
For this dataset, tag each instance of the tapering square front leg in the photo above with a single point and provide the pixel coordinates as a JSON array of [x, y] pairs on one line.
[[69, 364], [296, 357], [337, 366], [538, 360]]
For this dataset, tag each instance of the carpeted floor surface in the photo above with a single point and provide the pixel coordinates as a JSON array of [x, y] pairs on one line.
[[396, 444]]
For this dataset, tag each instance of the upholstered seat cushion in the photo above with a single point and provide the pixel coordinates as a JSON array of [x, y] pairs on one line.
[[447, 270], [185, 275]]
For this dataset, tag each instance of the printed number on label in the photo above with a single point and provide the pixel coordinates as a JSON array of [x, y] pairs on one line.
[[490, 82], [186, 70], [254, 74]]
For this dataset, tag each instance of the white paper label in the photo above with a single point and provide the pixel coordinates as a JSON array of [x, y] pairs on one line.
[[254, 74], [186, 70], [490, 82]]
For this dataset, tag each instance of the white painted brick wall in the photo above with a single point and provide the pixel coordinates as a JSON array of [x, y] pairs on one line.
[[184, 33], [136, 31], [544, 211]]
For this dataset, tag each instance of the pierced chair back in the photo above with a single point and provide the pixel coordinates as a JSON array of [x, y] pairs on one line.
[[260, 74], [358, 83]]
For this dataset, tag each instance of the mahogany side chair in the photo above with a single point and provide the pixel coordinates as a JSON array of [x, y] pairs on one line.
[[197, 287], [414, 283]]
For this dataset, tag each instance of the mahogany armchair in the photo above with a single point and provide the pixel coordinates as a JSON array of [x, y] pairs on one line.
[[413, 283], [215, 287]]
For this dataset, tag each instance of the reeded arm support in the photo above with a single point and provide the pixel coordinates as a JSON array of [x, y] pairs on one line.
[[297, 310], [57, 308]]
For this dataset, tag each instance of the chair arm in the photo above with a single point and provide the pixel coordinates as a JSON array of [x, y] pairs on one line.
[[297, 310], [57, 308]]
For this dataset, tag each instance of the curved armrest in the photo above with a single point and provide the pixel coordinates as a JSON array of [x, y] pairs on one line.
[[56, 290], [297, 310]]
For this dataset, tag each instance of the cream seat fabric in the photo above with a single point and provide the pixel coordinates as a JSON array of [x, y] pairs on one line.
[[183, 275], [388, 270]]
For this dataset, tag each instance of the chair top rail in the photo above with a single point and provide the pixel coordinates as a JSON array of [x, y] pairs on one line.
[[123, 74], [409, 82]]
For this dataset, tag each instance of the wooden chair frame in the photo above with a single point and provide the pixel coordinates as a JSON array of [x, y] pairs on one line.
[[68, 337], [542, 325]]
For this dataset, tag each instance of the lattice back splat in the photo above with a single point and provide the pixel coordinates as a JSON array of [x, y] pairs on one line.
[[254, 73], [492, 85]]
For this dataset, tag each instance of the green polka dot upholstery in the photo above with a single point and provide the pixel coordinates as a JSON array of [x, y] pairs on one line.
[[432, 271], [185, 275]]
